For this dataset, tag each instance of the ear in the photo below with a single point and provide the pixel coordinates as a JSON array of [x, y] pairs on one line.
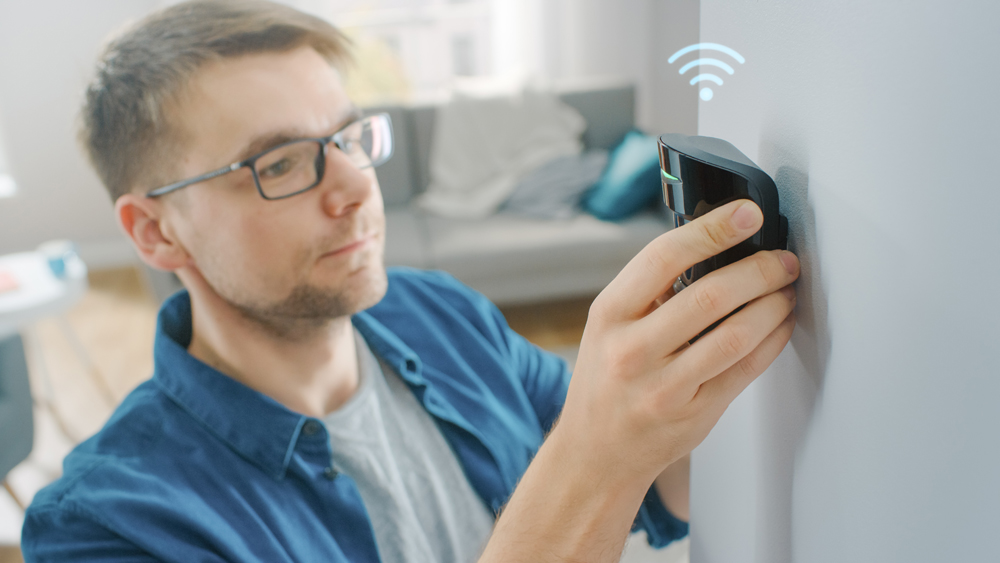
[[142, 220]]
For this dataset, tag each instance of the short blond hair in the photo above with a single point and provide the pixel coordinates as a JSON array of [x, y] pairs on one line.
[[125, 129]]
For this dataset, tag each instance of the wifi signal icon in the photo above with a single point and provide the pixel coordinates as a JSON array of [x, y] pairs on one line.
[[706, 92]]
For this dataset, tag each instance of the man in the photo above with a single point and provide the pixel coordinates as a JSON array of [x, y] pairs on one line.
[[308, 405]]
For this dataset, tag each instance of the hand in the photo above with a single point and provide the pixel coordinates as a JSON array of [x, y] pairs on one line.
[[641, 397]]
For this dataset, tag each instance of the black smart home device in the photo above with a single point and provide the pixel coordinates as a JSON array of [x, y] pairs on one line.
[[702, 173]]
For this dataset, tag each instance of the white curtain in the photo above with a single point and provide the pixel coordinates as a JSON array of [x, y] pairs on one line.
[[575, 42], [7, 186]]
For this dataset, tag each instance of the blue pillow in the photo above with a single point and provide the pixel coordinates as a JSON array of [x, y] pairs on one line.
[[631, 180]]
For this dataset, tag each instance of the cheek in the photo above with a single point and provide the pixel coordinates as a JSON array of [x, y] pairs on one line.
[[246, 252], [265, 244]]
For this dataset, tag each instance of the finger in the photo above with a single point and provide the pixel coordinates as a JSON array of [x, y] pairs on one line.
[[736, 338], [717, 294], [666, 296], [654, 269], [662, 299], [722, 389]]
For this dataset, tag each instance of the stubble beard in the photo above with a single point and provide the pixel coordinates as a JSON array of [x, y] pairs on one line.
[[309, 309]]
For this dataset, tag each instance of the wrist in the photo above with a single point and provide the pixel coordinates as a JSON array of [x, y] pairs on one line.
[[673, 487], [566, 508], [611, 454], [599, 466]]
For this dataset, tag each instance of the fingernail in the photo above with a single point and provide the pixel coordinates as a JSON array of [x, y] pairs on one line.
[[745, 216], [789, 292], [790, 261]]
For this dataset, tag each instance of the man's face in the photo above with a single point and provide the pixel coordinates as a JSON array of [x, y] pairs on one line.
[[313, 256]]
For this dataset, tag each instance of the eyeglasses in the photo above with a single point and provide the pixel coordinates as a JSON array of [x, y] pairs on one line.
[[296, 166]]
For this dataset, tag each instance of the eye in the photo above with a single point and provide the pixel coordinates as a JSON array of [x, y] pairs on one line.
[[276, 169]]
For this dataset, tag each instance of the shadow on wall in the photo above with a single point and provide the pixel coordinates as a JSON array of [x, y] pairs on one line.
[[811, 341], [790, 392], [812, 337]]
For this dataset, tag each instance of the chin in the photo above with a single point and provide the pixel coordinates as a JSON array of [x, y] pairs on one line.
[[366, 282], [370, 286]]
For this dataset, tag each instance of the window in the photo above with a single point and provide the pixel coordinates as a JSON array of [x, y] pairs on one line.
[[410, 50], [419, 50]]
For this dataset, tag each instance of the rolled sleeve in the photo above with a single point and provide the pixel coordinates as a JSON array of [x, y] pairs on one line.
[[660, 525]]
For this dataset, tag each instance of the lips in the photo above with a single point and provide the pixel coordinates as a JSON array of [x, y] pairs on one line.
[[356, 244]]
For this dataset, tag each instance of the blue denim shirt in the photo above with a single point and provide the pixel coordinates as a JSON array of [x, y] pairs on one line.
[[194, 466]]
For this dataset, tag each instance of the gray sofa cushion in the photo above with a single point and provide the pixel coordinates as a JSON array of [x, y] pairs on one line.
[[516, 259], [609, 113]]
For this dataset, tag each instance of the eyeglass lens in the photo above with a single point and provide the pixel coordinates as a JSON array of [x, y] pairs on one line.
[[293, 167], [288, 169]]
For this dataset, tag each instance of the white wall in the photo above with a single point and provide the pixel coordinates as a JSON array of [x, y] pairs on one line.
[[3, 150], [7, 186], [875, 437], [626, 39], [47, 51]]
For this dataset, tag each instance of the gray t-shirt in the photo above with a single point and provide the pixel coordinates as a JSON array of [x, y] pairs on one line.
[[421, 505]]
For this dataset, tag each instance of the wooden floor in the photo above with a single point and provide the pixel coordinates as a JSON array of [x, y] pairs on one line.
[[10, 554], [83, 366], [553, 325]]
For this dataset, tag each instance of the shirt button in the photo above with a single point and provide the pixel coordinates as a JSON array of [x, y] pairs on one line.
[[311, 427], [330, 473]]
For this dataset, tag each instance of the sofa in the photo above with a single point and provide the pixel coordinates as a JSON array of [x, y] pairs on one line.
[[510, 258]]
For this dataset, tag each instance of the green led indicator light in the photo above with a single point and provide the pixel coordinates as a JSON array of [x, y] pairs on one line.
[[668, 176]]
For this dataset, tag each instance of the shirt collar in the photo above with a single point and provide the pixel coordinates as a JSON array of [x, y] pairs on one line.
[[254, 425], [387, 346]]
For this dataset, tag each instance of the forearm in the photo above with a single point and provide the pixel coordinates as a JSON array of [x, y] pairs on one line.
[[673, 486], [565, 509]]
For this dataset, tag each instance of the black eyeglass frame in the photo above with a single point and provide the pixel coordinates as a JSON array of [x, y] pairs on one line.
[[324, 142]]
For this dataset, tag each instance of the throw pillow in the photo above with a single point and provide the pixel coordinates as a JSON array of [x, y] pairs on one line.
[[630, 182]]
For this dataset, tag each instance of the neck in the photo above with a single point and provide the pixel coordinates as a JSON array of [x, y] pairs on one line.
[[311, 370]]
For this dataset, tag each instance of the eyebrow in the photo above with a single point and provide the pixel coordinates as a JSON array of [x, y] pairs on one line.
[[273, 139]]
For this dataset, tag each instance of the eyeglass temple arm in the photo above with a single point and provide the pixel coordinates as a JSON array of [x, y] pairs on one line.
[[206, 176]]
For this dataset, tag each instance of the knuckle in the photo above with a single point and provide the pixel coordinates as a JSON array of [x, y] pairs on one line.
[[764, 262], [597, 305], [601, 308], [708, 296], [733, 341], [655, 263], [717, 234], [750, 366]]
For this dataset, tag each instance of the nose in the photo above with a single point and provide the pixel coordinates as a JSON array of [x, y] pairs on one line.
[[345, 187]]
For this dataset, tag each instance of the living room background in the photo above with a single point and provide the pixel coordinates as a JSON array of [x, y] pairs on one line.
[[47, 51]]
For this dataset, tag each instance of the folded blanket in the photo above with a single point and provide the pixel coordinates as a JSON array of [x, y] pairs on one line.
[[554, 190], [482, 147]]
